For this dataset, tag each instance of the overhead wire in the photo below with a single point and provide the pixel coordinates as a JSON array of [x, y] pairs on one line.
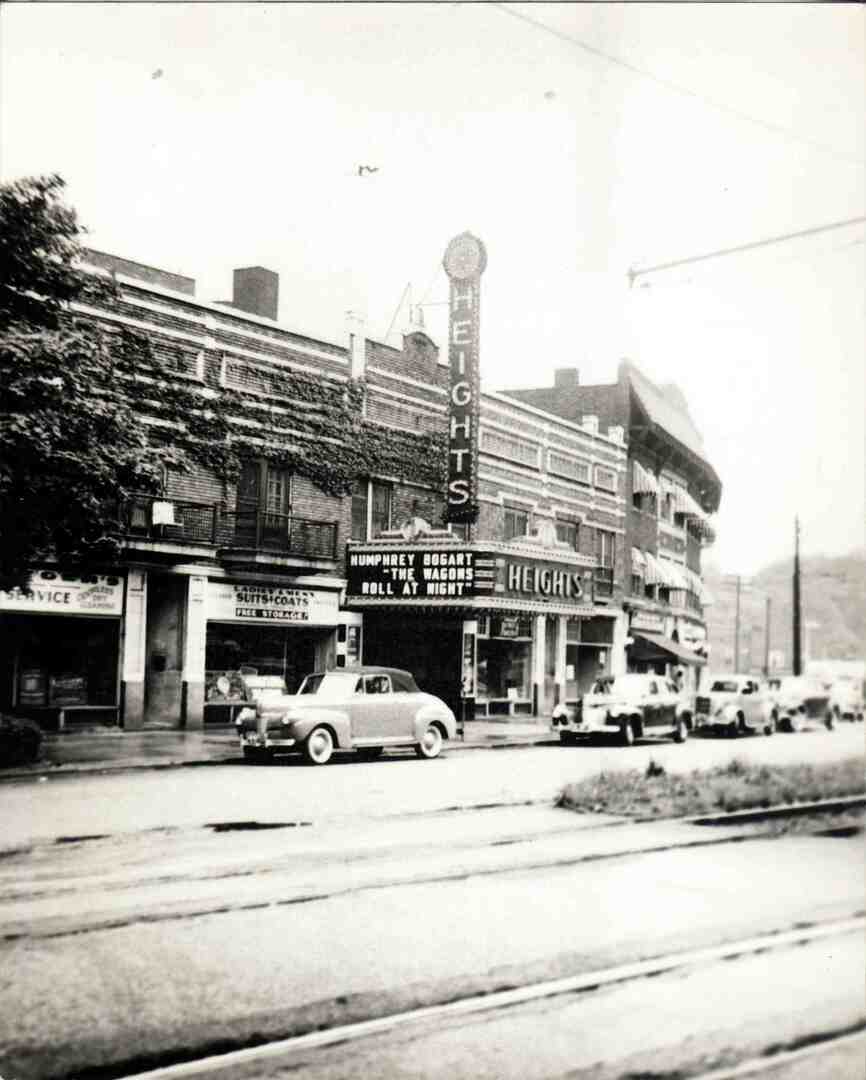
[[633, 275], [667, 84]]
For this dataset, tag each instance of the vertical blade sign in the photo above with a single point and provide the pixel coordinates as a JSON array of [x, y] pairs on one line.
[[464, 263]]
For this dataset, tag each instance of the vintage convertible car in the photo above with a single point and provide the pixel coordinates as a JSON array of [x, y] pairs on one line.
[[800, 698], [631, 706], [363, 709]]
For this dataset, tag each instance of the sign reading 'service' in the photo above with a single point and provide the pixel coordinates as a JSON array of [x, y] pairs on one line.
[[464, 262]]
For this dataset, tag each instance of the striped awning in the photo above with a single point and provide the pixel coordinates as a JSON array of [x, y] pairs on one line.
[[643, 481], [673, 575], [686, 504], [653, 573]]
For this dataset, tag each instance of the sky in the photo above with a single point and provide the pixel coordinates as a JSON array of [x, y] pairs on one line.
[[578, 141]]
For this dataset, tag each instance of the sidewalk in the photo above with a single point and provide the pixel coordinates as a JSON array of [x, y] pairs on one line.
[[99, 750]]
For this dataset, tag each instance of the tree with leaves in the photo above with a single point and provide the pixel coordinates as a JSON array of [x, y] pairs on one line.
[[72, 444]]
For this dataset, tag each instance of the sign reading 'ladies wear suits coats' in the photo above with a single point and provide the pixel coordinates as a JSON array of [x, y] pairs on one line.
[[235, 602], [464, 262]]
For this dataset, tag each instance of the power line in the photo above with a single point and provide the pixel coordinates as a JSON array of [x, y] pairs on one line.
[[633, 275], [399, 308], [776, 129]]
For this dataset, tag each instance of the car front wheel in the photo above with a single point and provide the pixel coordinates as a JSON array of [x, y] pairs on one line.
[[682, 731], [626, 733], [431, 743], [319, 746]]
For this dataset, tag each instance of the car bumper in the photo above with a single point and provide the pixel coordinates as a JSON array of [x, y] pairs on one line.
[[253, 740], [585, 727]]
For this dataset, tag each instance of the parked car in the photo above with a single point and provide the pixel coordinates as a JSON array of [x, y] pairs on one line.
[[631, 706], [736, 704], [846, 699], [363, 709], [800, 698]]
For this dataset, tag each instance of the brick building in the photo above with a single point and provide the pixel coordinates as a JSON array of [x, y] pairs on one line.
[[245, 568], [670, 490]]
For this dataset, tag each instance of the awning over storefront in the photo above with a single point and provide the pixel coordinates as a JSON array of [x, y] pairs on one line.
[[647, 645]]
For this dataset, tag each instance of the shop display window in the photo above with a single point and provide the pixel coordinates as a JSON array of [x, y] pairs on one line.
[[64, 662], [504, 668], [233, 650]]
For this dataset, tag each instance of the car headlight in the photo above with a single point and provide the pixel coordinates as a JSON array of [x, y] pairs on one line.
[[244, 715]]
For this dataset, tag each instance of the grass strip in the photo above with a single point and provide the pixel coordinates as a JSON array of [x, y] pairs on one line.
[[655, 793]]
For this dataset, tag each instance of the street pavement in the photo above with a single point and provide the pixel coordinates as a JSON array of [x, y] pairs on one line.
[[150, 911], [95, 749]]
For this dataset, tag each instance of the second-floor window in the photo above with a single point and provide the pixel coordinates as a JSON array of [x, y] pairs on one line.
[[605, 548], [516, 522], [567, 532], [371, 509], [263, 487]]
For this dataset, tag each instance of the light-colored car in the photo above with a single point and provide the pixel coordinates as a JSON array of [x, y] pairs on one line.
[[801, 698], [736, 704], [363, 709], [846, 699], [631, 706]]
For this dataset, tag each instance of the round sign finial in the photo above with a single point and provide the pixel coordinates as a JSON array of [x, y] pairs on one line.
[[465, 257]]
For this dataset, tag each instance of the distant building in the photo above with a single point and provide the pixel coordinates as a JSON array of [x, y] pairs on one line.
[[671, 491]]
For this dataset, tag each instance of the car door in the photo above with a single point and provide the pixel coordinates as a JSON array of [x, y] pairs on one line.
[[376, 713], [652, 706]]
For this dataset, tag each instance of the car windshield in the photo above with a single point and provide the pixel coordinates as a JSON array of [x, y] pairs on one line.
[[330, 686], [265, 694], [629, 685], [724, 686]]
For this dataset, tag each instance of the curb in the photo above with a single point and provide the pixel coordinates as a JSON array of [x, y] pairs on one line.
[[42, 770]]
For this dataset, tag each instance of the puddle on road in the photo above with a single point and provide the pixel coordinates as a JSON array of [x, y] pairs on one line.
[[252, 826], [80, 839]]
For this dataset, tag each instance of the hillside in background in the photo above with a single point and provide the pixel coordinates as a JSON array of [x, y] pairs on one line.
[[833, 592]]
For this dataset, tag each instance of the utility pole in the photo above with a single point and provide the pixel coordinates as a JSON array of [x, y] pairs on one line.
[[767, 639], [798, 657], [737, 631]]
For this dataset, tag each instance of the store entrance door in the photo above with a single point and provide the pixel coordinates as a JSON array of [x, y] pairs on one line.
[[429, 648]]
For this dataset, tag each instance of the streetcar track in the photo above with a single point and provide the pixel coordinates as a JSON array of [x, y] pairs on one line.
[[340, 1035], [394, 881], [462, 874]]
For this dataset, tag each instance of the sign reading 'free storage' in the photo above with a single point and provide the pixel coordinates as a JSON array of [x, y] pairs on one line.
[[239, 602]]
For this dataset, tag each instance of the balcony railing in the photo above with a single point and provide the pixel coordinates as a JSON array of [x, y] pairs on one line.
[[602, 582], [207, 523]]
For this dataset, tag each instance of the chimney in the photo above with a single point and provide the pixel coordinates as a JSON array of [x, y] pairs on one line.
[[256, 291], [357, 344], [566, 378]]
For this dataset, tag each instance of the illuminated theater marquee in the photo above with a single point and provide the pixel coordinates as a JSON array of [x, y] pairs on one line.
[[464, 262]]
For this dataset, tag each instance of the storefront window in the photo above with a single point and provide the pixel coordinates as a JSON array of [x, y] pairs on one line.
[[505, 660], [236, 650], [63, 661]]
